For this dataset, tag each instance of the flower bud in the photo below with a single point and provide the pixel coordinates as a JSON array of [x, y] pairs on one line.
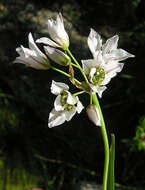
[[93, 114], [57, 56]]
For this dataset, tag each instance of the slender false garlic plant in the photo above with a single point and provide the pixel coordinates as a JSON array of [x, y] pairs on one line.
[[96, 74]]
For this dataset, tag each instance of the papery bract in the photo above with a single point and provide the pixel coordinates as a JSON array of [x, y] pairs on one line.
[[65, 105], [32, 56], [105, 64]]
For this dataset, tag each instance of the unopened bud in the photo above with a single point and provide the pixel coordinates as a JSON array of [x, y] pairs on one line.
[[57, 56], [93, 114]]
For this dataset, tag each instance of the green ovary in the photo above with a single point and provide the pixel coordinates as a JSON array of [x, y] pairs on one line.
[[99, 76]]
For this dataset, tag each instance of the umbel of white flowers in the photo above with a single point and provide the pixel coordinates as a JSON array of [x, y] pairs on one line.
[[99, 71]]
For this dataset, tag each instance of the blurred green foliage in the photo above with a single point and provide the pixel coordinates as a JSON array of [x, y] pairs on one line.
[[137, 143], [135, 3], [139, 139], [8, 118]]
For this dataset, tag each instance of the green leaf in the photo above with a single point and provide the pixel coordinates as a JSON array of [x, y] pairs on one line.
[[126, 76], [111, 176]]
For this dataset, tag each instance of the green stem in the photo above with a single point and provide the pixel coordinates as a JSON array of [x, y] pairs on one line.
[[91, 100], [106, 144], [79, 67], [64, 73], [78, 93], [111, 175], [74, 65]]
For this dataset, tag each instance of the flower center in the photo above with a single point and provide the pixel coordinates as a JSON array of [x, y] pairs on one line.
[[63, 100], [97, 75]]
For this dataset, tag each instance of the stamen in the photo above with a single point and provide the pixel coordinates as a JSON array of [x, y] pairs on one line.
[[64, 103]]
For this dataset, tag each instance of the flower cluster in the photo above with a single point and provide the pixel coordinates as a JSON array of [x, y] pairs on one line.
[[97, 72]]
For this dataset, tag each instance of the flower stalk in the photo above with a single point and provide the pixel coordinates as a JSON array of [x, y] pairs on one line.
[[78, 93], [65, 74], [79, 67], [105, 140]]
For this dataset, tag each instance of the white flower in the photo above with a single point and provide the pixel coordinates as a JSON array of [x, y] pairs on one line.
[[65, 106], [57, 33], [105, 64], [32, 56], [57, 56], [93, 114]]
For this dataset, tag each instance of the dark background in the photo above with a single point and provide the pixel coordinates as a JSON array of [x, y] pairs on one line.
[[31, 154]]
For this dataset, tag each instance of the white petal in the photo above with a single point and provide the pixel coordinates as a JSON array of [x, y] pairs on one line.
[[30, 62], [118, 55], [57, 104], [52, 30], [70, 114], [71, 99], [111, 44], [58, 87], [93, 87], [79, 107], [20, 51], [47, 41], [59, 21], [27, 56], [22, 60], [98, 89], [56, 118], [61, 30], [94, 42], [33, 59], [106, 80], [57, 32], [32, 56], [27, 52], [88, 64], [91, 74], [99, 57], [33, 46], [114, 67], [93, 114]]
